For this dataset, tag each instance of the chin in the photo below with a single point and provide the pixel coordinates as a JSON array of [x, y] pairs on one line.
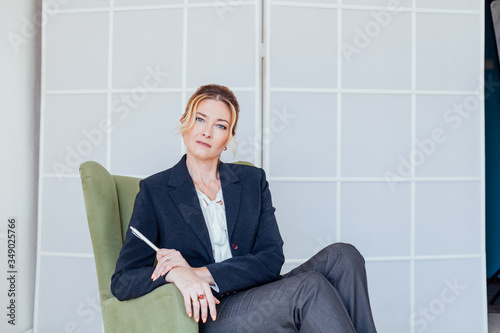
[[203, 155]]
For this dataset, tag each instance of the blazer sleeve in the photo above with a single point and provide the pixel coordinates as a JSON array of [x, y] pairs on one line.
[[263, 263], [132, 277]]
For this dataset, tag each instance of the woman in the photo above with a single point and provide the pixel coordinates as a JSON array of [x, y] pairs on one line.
[[220, 245]]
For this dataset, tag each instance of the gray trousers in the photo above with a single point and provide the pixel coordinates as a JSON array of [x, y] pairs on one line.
[[328, 293]]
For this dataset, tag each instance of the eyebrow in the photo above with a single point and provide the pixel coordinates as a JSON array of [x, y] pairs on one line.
[[204, 115]]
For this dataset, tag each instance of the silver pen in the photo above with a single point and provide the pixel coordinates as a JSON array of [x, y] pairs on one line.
[[141, 236]]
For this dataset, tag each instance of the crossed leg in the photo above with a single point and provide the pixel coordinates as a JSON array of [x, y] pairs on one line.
[[328, 293]]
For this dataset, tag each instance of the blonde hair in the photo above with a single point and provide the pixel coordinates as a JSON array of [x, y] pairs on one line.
[[214, 92]]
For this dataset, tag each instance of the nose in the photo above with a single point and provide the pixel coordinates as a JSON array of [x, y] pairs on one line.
[[207, 132]]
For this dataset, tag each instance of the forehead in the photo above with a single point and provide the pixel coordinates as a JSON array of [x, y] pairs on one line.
[[214, 109]]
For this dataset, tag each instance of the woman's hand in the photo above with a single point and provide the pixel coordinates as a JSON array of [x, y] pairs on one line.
[[168, 259], [197, 294], [193, 283]]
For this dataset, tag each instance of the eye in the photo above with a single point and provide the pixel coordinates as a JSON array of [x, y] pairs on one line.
[[221, 126], [200, 119]]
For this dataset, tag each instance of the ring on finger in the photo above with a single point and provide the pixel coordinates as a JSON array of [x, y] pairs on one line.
[[194, 300], [202, 296]]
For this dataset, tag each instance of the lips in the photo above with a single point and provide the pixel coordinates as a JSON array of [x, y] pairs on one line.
[[204, 144]]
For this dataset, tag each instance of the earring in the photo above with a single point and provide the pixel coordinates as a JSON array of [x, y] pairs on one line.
[[225, 148]]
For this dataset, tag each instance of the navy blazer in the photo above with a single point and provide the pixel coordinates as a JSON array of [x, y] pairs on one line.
[[167, 211]]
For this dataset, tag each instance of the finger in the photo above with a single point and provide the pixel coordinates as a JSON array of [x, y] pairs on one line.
[[172, 263], [211, 301], [168, 265], [167, 268], [154, 276], [196, 307], [203, 307], [165, 258], [164, 262], [156, 272], [160, 268], [163, 252], [187, 304]]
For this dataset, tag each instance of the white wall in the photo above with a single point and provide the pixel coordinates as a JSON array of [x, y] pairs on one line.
[[19, 58], [352, 91], [133, 68], [370, 86]]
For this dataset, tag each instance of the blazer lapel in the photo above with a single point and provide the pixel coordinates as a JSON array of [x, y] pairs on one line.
[[188, 204], [231, 192]]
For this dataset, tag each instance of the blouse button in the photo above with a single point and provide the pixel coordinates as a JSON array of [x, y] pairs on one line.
[[235, 246]]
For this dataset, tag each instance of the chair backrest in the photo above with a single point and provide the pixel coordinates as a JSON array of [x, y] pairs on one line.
[[126, 189], [109, 201]]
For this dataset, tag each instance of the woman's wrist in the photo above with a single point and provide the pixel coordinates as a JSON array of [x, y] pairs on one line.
[[204, 274]]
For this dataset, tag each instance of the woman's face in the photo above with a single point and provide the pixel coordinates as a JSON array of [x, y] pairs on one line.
[[209, 135]]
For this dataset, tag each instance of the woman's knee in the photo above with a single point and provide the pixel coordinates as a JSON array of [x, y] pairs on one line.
[[346, 251]]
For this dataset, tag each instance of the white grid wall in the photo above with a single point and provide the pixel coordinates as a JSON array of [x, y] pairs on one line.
[[366, 87], [116, 78], [351, 91]]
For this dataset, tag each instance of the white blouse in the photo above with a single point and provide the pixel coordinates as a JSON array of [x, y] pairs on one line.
[[214, 213]]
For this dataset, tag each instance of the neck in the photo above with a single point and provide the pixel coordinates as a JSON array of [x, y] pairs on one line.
[[204, 171]]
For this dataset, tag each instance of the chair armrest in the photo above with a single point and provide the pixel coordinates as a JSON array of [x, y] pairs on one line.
[[162, 310]]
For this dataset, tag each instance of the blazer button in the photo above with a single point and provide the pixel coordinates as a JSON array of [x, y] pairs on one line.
[[235, 246]]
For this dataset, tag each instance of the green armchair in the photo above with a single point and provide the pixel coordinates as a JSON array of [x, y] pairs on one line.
[[109, 201]]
